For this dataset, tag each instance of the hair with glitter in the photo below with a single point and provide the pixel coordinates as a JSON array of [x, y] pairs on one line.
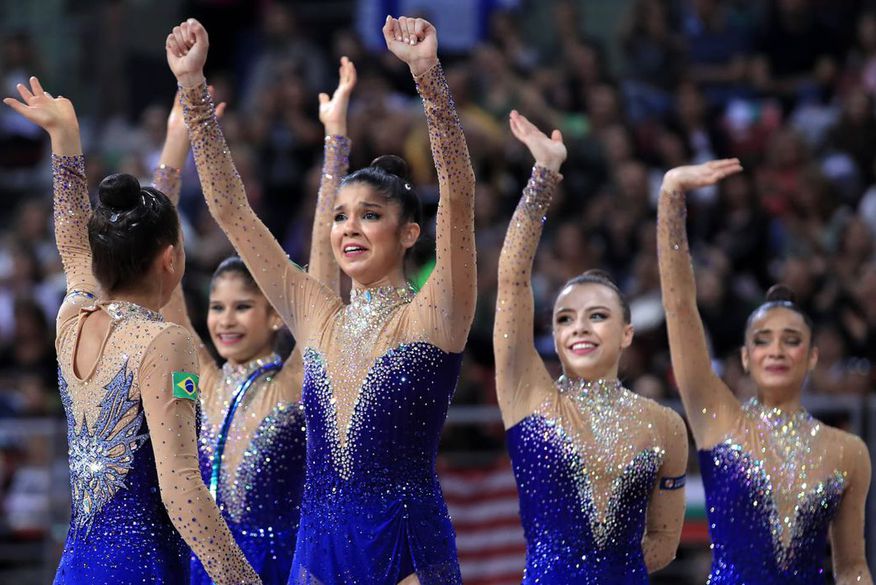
[[779, 296], [601, 277], [129, 227], [388, 175]]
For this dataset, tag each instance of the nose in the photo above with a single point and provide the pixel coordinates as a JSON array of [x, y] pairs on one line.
[[227, 318], [582, 326], [351, 226], [776, 349]]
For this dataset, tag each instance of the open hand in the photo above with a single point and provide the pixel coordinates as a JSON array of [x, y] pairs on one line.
[[691, 177], [52, 114], [333, 112], [413, 40], [186, 48], [548, 152]]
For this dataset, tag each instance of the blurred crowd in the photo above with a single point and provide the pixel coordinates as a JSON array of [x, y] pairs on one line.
[[787, 86]]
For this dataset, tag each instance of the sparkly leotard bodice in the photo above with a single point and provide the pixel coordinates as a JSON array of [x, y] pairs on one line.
[[586, 454], [251, 448], [137, 498], [251, 455], [584, 484], [771, 493], [379, 372]]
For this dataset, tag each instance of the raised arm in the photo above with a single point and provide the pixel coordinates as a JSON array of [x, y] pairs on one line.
[[169, 404], [518, 365], [166, 178], [847, 528], [289, 289], [336, 161], [666, 505], [72, 209], [450, 291], [707, 400]]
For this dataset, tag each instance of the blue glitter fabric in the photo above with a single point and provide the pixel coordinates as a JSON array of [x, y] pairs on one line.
[[743, 520], [567, 542], [260, 498], [119, 531], [375, 502], [382, 368]]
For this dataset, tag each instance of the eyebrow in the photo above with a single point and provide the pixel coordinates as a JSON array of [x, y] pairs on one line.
[[785, 330], [362, 204], [596, 308]]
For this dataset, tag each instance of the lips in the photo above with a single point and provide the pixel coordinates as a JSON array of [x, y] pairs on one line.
[[583, 347], [354, 250], [777, 369], [229, 338]]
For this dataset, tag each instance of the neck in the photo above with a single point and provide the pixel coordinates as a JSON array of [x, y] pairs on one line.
[[785, 400], [147, 299], [592, 375], [261, 354], [395, 279]]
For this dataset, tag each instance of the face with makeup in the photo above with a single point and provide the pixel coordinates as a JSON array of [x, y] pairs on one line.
[[241, 322], [369, 238], [778, 351], [590, 331]]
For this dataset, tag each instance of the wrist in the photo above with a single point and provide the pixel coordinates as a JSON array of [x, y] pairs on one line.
[[421, 66], [550, 164], [65, 141], [335, 129], [190, 80]]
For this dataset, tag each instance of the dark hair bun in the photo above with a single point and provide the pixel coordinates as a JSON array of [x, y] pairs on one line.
[[121, 192], [779, 293], [392, 164]]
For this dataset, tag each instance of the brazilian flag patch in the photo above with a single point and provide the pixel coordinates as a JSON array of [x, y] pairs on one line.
[[185, 385]]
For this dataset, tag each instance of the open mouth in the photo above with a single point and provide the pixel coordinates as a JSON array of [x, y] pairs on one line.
[[353, 250], [583, 347], [229, 338]]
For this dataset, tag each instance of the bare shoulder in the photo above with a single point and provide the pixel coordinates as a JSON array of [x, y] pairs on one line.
[[853, 450], [665, 418]]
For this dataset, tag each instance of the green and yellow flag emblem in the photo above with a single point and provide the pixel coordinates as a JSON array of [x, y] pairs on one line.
[[185, 385]]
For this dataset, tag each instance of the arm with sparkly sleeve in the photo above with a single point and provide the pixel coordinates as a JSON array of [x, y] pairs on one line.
[[847, 527], [166, 178], [446, 303], [336, 161], [449, 294], [519, 368], [666, 505], [72, 209], [518, 364], [708, 402], [300, 299], [170, 414]]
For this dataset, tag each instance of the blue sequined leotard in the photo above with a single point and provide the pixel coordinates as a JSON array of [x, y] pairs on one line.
[[137, 499], [379, 372], [586, 454], [251, 454], [771, 494]]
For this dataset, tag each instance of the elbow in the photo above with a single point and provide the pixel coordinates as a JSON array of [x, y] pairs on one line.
[[662, 551]]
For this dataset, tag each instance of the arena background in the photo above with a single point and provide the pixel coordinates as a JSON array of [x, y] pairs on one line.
[[637, 87]]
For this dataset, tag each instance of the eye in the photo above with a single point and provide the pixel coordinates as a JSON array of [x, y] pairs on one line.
[[340, 217], [216, 307], [371, 215], [563, 319], [244, 306], [794, 341], [760, 341], [598, 316]]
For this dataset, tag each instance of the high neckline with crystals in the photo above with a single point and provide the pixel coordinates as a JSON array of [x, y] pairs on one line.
[[381, 296], [589, 390], [776, 419], [237, 371], [120, 310]]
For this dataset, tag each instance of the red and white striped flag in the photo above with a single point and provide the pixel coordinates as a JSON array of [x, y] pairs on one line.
[[486, 515]]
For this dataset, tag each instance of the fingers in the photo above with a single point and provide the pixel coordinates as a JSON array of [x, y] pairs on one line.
[[388, 30], [421, 28], [557, 136], [36, 86], [403, 29], [180, 41], [198, 32], [220, 109], [16, 105], [323, 99], [173, 46], [24, 92]]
